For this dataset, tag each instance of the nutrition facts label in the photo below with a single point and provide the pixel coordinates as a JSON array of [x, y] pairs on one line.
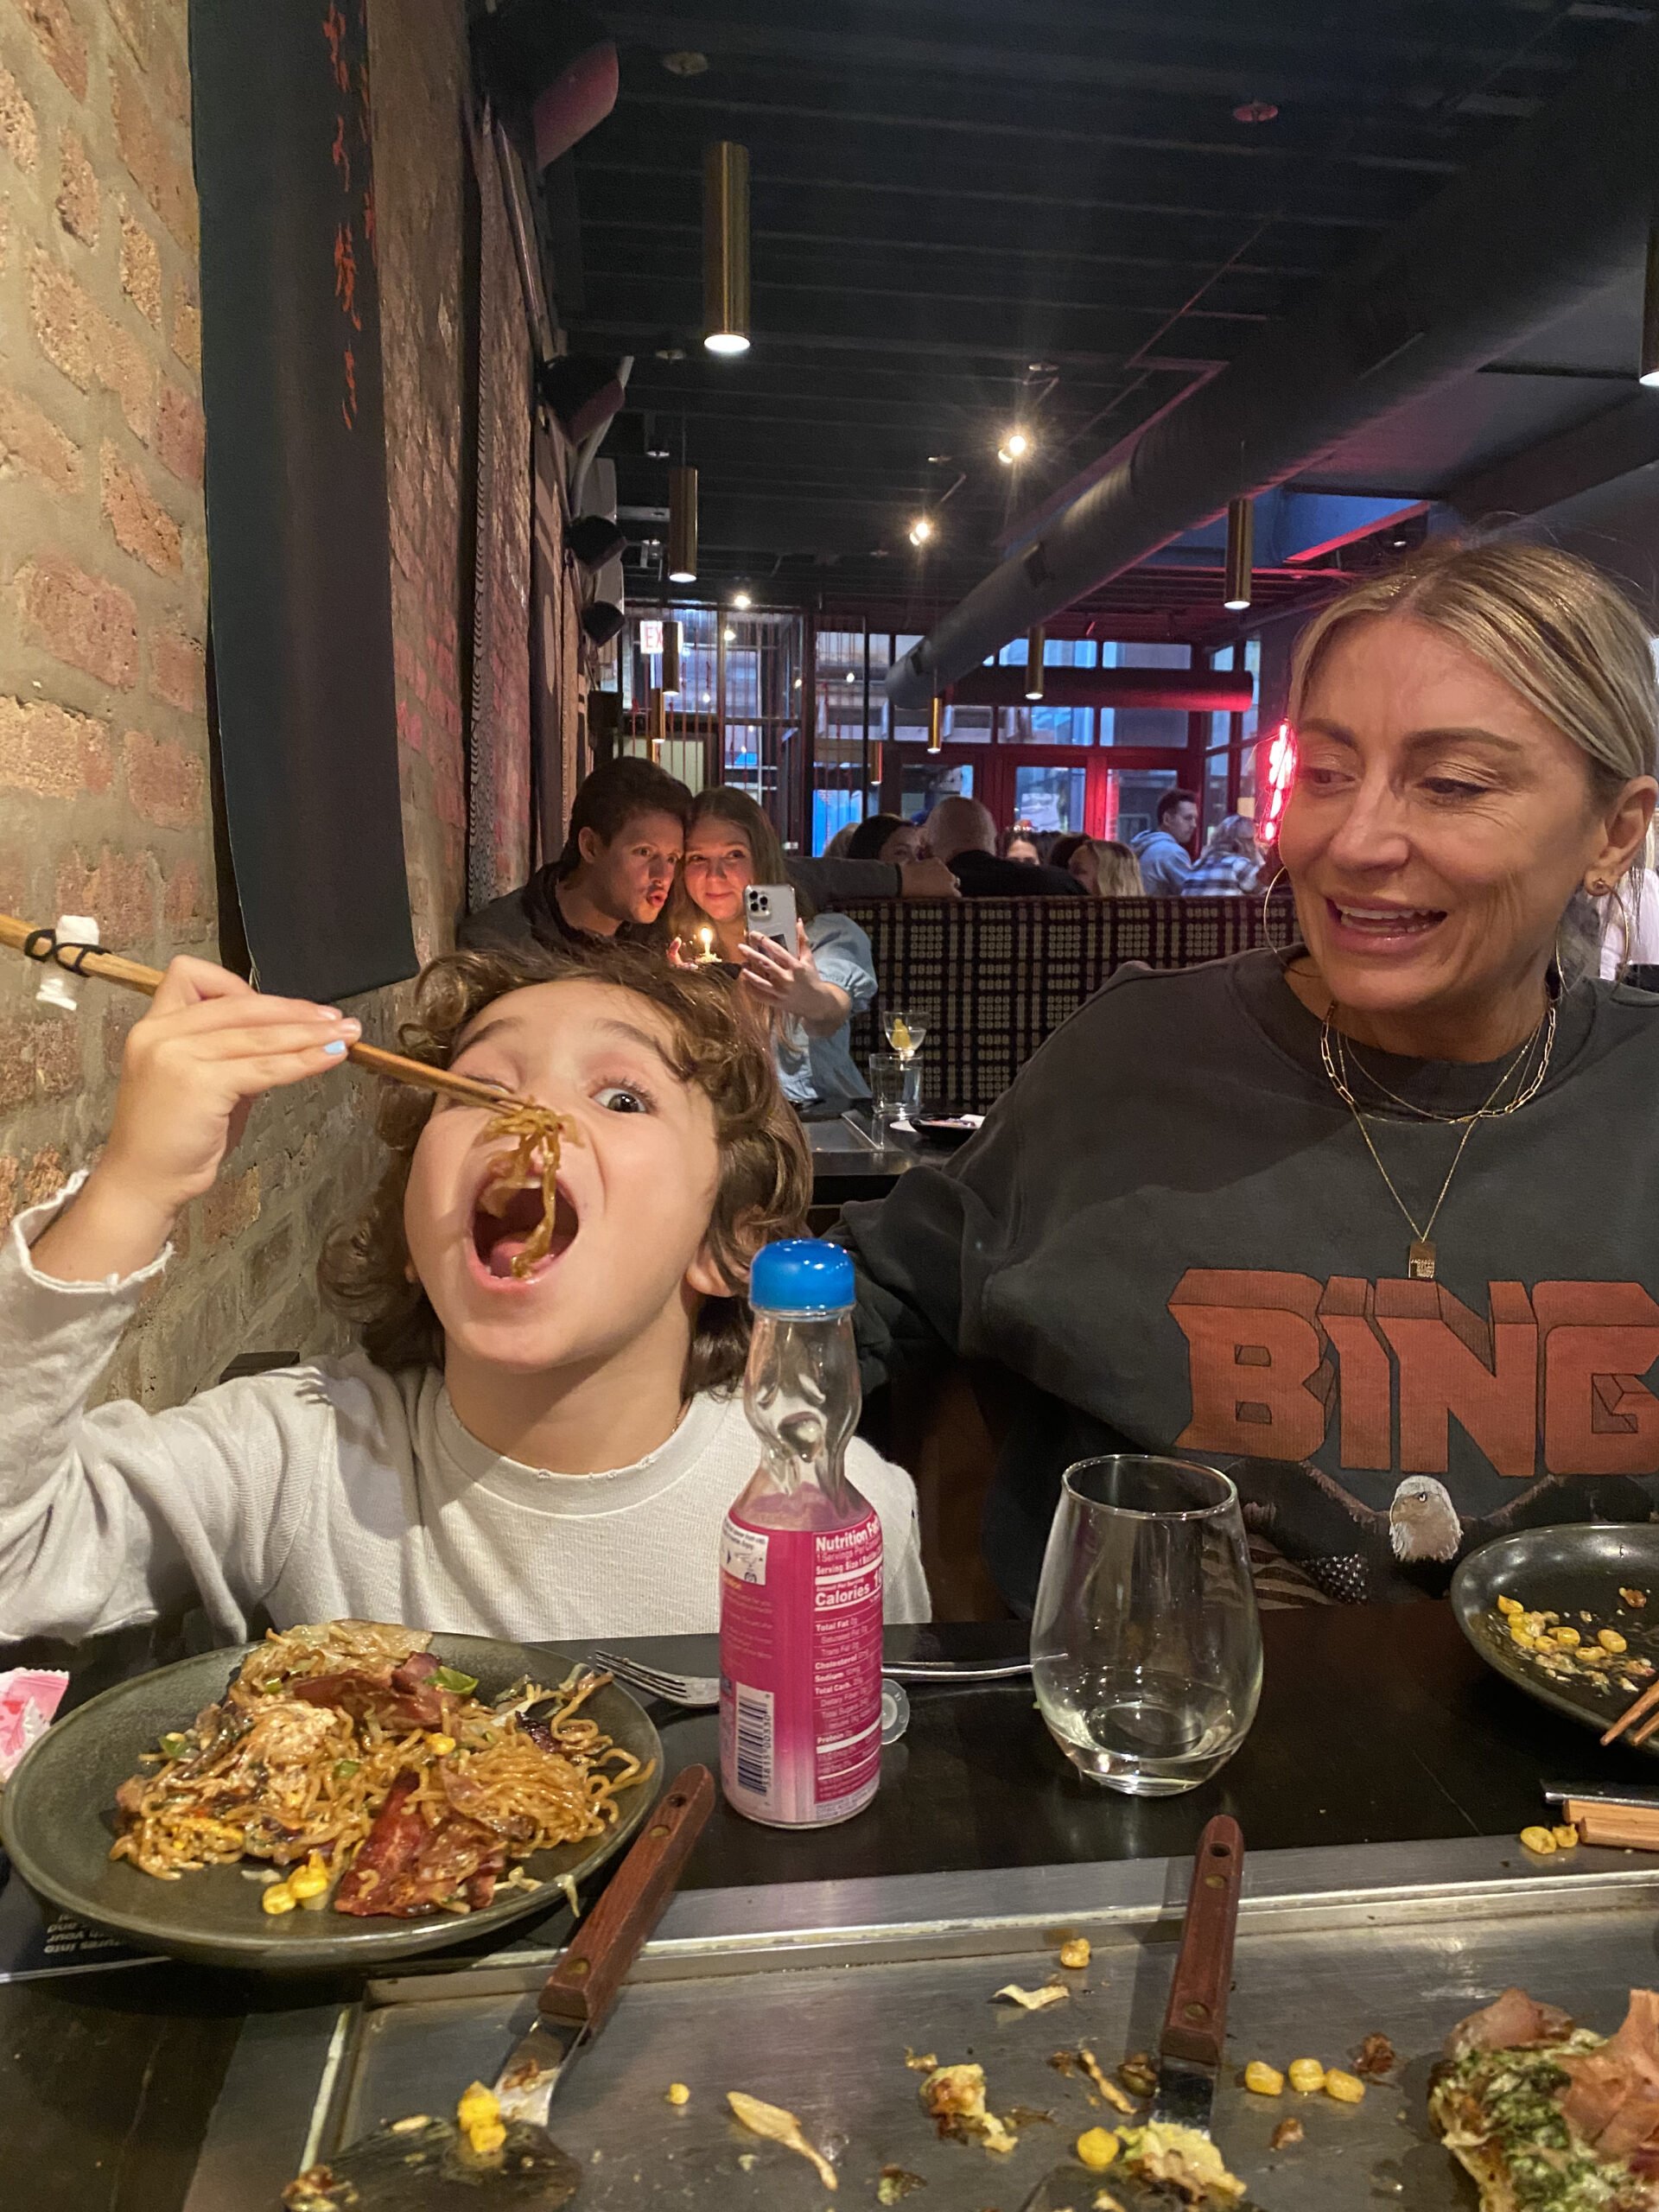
[[847, 1616]]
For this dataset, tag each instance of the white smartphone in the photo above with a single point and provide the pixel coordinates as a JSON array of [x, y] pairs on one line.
[[770, 908]]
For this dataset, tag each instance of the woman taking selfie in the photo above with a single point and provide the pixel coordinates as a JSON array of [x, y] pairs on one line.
[[808, 994], [1371, 1219]]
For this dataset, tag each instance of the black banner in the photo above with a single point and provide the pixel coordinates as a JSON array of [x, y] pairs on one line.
[[298, 535]]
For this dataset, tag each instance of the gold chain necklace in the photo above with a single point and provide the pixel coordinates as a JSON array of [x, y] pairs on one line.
[[1528, 1090], [1421, 1259]]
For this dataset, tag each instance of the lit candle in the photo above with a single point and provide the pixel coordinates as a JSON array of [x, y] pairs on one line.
[[708, 937]]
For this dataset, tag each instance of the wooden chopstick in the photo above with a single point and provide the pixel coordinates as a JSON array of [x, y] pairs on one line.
[[1645, 1703], [1629, 1828], [112, 968]]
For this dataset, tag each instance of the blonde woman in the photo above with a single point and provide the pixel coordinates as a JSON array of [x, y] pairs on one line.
[[808, 997], [1104, 867], [1371, 1219]]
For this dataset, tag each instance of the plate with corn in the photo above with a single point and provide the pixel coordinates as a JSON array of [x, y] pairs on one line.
[[1570, 1614]]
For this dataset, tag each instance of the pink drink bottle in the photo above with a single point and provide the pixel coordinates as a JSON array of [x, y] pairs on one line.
[[800, 1561]]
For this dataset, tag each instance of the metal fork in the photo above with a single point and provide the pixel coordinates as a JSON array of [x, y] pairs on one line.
[[699, 1690]]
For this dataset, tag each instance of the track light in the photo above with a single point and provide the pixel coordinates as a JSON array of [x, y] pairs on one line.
[[1649, 373], [1240, 555], [1036, 640], [683, 525], [671, 659], [726, 248], [741, 600], [920, 531], [936, 725], [1014, 448]]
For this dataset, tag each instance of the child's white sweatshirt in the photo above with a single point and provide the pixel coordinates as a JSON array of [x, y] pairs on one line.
[[334, 1489]]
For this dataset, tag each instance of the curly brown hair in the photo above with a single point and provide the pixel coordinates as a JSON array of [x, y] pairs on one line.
[[766, 1176]]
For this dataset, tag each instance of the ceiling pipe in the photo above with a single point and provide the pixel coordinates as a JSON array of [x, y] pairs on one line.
[[1199, 691], [1560, 211]]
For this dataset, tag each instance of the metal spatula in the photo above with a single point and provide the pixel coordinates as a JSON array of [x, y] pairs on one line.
[[1195, 2023], [424, 2164]]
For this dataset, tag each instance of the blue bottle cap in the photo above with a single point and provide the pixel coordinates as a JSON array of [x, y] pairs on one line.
[[802, 1275]]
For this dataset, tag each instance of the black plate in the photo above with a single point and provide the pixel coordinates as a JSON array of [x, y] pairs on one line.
[[1577, 1566], [57, 1820], [928, 1127]]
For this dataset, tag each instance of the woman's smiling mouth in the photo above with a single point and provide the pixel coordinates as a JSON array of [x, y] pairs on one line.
[[1380, 925]]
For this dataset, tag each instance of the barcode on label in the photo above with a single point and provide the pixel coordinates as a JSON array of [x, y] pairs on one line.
[[753, 1739]]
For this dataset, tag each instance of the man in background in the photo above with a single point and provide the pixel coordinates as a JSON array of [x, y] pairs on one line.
[[612, 880], [1165, 852], [960, 833]]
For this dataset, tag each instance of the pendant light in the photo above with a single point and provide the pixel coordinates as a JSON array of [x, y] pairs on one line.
[[1648, 372], [1036, 641], [656, 724], [671, 659], [936, 725], [683, 525], [726, 247], [1240, 555]]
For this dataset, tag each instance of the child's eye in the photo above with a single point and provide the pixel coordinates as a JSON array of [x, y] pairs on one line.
[[623, 1098]]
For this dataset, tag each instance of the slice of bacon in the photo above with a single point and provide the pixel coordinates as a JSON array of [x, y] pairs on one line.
[[386, 1853], [401, 1700]]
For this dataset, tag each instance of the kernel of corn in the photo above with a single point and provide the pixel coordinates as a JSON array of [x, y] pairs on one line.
[[1509, 1605], [478, 2108], [1567, 1838], [1539, 1839], [1568, 1636], [678, 2093], [1307, 2075], [1610, 1639], [278, 1898], [1265, 2080], [1097, 2148], [1077, 1953], [487, 2140], [309, 1880], [440, 1746], [1346, 2088]]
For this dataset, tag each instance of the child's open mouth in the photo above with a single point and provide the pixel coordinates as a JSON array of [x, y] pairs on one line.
[[511, 1236]]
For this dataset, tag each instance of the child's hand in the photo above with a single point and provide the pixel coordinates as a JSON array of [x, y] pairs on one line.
[[193, 1066]]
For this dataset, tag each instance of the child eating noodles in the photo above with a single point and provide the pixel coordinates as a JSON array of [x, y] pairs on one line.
[[542, 1454]]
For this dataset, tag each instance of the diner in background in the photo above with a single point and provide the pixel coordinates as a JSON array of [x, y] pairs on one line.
[[886, 837], [1164, 852], [1105, 868], [1370, 1219], [960, 833], [1019, 844], [1231, 861], [807, 995], [612, 880]]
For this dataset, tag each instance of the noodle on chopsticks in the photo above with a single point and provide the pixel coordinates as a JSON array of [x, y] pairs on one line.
[[348, 1744], [533, 1129]]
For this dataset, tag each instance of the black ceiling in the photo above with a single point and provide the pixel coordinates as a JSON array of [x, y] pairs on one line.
[[967, 213]]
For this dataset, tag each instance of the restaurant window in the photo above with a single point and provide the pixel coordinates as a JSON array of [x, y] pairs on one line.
[[1132, 797], [1030, 724], [1051, 800], [1144, 725], [923, 783], [849, 729]]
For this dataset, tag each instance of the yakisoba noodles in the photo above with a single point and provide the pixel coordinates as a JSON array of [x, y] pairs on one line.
[[346, 1752], [533, 1128]]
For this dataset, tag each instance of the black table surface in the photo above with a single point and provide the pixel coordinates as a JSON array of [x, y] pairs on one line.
[[1377, 1724]]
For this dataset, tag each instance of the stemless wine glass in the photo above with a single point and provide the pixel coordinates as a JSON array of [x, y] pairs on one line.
[[1145, 1647]]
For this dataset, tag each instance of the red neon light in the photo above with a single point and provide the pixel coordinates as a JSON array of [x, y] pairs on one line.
[[1281, 773]]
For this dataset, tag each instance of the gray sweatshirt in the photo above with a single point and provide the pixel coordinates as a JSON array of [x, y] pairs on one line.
[[1169, 1233], [335, 1489]]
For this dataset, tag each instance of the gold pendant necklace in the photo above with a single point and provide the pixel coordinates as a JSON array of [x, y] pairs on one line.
[[1420, 1257]]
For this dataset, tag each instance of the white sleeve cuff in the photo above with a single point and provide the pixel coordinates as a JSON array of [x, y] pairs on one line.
[[31, 1225]]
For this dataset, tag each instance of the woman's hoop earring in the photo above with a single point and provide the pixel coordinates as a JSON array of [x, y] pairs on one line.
[[1277, 951]]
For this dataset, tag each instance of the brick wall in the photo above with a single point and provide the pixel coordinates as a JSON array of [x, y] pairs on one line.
[[103, 740]]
